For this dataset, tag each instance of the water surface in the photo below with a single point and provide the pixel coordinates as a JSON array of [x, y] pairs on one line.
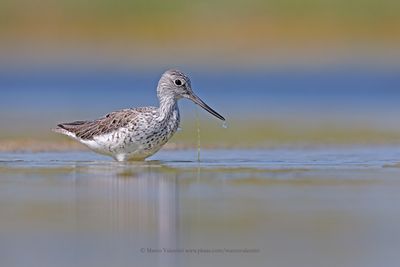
[[277, 207]]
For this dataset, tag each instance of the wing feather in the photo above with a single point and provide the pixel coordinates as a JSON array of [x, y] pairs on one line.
[[87, 130]]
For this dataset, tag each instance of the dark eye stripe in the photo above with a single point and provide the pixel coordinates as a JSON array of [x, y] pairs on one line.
[[178, 82]]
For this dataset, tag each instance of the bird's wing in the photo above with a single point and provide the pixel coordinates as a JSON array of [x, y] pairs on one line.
[[87, 130]]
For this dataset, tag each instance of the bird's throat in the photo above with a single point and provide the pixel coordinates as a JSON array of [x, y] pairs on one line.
[[168, 105]]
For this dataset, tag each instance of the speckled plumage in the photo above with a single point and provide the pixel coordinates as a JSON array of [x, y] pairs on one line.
[[137, 133]]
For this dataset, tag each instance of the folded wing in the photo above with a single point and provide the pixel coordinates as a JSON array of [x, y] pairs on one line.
[[87, 130]]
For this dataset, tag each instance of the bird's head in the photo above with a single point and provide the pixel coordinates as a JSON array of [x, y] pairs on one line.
[[175, 84]]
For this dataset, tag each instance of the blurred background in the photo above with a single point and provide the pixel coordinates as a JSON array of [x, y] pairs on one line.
[[284, 72]]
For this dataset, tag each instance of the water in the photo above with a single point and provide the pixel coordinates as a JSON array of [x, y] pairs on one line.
[[358, 95], [278, 207], [198, 134]]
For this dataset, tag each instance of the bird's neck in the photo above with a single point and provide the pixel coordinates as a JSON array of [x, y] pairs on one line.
[[168, 104]]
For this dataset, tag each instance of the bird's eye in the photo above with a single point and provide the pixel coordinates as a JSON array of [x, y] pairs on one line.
[[178, 82]]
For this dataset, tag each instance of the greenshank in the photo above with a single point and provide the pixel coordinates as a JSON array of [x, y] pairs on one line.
[[137, 133]]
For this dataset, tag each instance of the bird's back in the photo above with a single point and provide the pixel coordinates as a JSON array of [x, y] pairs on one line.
[[88, 130]]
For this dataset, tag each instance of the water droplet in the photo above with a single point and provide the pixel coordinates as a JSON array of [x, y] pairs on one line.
[[225, 125], [198, 134]]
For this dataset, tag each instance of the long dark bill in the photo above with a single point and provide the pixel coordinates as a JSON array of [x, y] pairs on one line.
[[200, 102]]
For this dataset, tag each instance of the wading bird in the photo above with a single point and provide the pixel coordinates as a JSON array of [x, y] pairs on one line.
[[137, 133]]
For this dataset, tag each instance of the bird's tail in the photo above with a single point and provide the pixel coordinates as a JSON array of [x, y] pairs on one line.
[[68, 128]]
